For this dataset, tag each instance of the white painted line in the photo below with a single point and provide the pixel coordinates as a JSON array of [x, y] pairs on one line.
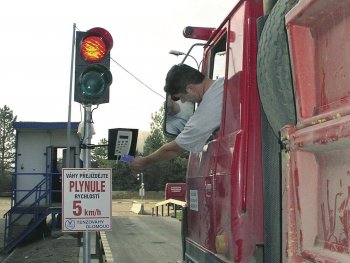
[[106, 247]]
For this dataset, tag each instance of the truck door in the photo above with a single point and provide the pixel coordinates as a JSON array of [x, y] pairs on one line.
[[238, 175], [201, 180], [200, 183], [225, 180]]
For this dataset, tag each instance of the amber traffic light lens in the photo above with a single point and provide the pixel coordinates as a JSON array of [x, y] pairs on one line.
[[93, 48]]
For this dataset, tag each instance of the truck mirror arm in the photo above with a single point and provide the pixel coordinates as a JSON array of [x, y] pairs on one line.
[[189, 51]]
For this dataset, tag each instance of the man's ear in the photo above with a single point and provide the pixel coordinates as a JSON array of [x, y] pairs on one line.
[[190, 87]]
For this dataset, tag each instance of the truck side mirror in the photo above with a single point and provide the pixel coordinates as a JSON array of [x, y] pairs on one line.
[[176, 115]]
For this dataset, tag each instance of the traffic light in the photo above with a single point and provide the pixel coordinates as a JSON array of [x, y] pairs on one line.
[[92, 60]]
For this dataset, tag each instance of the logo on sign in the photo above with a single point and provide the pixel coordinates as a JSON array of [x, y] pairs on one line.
[[69, 224]]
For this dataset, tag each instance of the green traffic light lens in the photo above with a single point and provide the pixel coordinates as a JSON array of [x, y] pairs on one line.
[[92, 84], [95, 80]]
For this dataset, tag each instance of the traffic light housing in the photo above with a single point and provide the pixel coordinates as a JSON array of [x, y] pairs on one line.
[[92, 63]]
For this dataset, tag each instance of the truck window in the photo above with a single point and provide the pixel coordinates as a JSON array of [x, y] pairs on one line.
[[216, 62], [219, 65], [217, 59]]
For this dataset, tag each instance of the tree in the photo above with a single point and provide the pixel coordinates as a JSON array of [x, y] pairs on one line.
[[99, 156], [122, 178], [7, 146], [156, 176], [156, 138]]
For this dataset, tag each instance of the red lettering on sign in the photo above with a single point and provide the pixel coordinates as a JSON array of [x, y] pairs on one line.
[[87, 186], [71, 185]]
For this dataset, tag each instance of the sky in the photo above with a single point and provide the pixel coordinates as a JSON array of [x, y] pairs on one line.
[[36, 43]]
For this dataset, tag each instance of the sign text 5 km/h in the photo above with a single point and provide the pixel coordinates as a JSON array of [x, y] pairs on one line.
[[86, 199]]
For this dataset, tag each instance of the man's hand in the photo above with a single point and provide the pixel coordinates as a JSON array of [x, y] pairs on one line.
[[167, 152]]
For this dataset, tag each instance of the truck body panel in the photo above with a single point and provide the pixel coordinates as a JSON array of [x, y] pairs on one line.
[[319, 40], [316, 162]]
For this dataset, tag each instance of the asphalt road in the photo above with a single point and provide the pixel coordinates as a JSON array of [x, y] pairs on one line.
[[145, 239], [135, 238]]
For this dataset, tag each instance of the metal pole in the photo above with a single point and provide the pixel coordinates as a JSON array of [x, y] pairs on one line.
[[70, 102], [87, 163], [143, 192]]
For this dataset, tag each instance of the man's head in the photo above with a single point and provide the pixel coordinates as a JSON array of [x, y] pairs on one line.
[[179, 77]]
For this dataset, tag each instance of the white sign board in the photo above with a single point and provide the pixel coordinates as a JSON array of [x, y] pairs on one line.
[[87, 199]]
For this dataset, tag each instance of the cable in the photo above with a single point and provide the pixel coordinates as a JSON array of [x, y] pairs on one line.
[[137, 78], [148, 87]]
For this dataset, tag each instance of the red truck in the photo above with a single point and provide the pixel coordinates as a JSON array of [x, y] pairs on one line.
[[273, 183]]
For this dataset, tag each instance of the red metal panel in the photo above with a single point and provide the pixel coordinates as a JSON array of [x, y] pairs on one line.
[[201, 223], [316, 164], [319, 40], [316, 193]]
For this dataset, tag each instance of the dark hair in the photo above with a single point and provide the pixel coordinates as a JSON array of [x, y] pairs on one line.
[[179, 76]]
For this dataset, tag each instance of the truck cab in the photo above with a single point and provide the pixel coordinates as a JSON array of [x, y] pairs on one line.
[[272, 183], [224, 181]]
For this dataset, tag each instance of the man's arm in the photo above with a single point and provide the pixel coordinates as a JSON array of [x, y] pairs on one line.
[[167, 152]]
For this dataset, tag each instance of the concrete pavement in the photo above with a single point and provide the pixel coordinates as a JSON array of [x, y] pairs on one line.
[[61, 247]]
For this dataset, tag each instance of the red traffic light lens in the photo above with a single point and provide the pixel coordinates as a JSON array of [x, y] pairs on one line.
[[96, 44]]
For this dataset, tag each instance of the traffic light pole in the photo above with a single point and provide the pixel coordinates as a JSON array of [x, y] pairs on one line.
[[142, 193], [87, 163], [70, 102], [92, 81]]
